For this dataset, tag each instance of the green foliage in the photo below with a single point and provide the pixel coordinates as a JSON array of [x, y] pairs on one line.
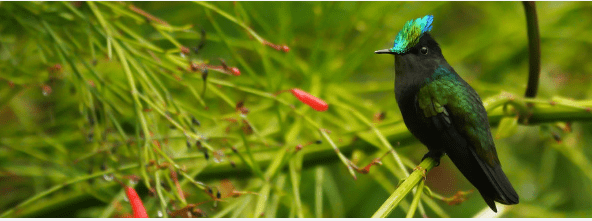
[[97, 91]]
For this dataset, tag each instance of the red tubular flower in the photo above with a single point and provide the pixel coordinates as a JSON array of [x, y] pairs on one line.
[[308, 99], [136, 202]]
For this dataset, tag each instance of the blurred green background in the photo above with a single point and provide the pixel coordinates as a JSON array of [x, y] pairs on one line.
[[66, 132]]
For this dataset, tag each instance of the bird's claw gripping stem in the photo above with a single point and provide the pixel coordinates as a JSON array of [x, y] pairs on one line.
[[434, 155]]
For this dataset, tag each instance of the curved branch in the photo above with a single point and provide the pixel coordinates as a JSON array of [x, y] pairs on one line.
[[534, 49]]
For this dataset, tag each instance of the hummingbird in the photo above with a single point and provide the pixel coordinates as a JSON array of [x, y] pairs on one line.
[[445, 113]]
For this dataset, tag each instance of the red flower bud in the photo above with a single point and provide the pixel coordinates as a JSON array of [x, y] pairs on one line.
[[136, 202], [312, 101], [235, 71], [285, 48]]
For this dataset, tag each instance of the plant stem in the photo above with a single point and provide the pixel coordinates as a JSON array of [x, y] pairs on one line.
[[416, 198], [319, 192], [534, 49], [295, 179], [60, 186], [138, 109], [391, 203], [232, 19], [378, 134]]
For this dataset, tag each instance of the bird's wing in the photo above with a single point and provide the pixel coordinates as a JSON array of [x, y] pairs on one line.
[[455, 103]]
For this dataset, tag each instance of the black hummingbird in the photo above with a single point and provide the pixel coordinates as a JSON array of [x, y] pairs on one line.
[[445, 113]]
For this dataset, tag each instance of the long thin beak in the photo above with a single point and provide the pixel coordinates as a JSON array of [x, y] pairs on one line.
[[384, 51]]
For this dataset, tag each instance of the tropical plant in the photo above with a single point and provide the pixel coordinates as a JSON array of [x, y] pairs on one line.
[[182, 103]]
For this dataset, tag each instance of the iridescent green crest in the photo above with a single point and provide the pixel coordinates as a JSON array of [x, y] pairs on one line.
[[411, 32]]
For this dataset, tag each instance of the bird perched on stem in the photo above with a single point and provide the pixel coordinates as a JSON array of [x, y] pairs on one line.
[[445, 113]]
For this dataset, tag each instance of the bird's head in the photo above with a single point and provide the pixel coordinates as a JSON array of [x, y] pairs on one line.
[[414, 48], [410, 35]]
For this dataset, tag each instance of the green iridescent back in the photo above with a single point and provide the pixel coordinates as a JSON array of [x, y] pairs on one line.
[[444, 88]]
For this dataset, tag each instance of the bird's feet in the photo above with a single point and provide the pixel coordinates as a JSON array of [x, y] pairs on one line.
[[434, 155]]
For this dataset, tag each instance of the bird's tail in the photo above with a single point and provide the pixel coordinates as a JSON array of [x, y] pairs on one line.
[[504, 191], [491, 182]]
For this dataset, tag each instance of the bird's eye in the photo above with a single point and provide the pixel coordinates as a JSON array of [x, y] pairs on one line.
[[424, 50]]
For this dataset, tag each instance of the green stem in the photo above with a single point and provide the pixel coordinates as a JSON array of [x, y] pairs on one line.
[[262, 200], [295, 178], [232, 19], [234, 54], [416, 198], [378, 134], [342, 157], [103, 23], [534, 49], [319, 192], [159, 190], [138, 109], [254, 164], [60, 186], [391, 203]]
